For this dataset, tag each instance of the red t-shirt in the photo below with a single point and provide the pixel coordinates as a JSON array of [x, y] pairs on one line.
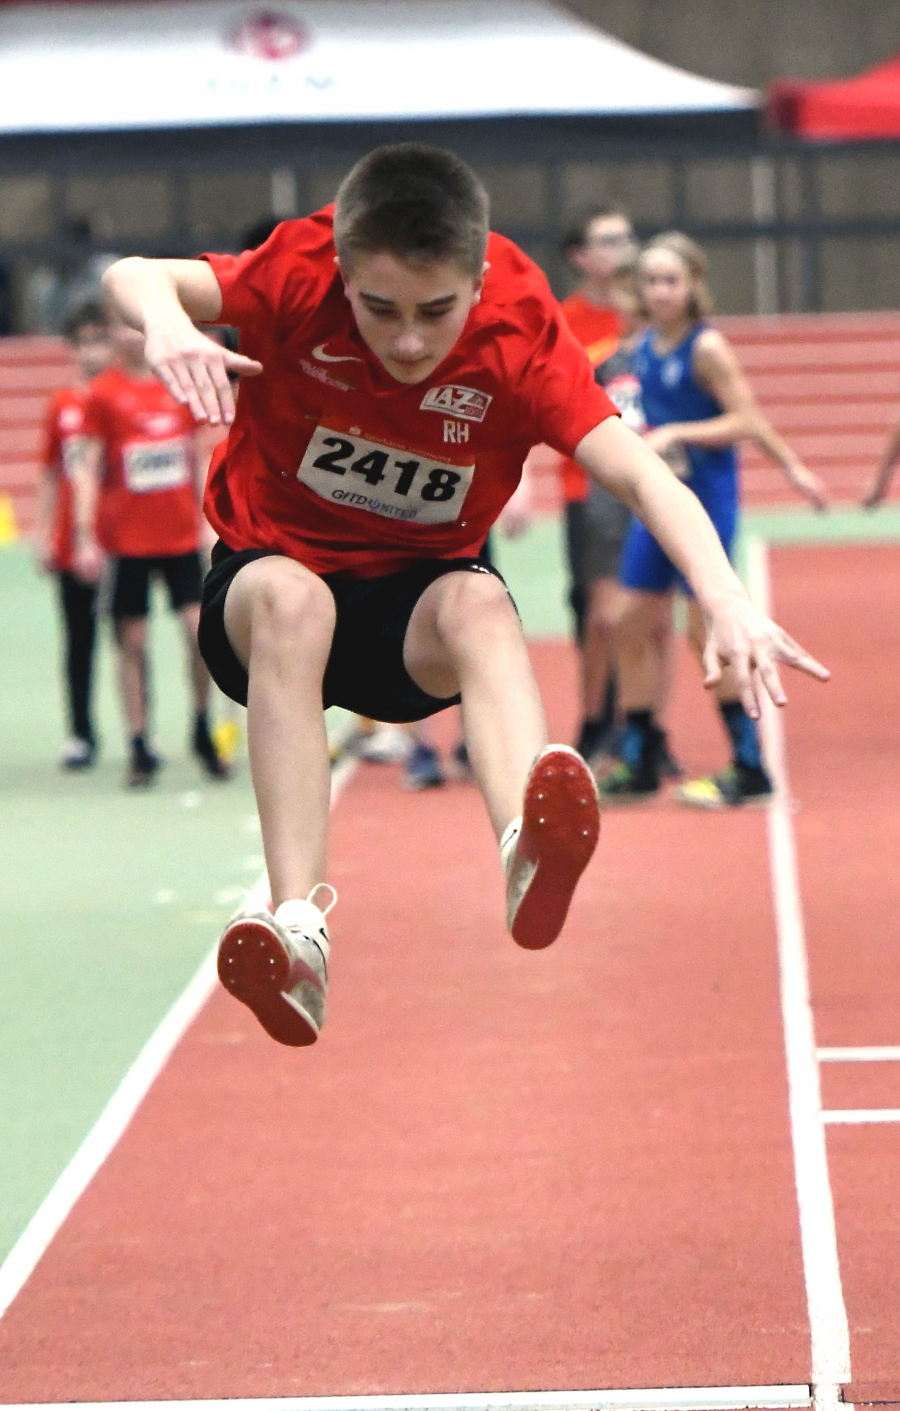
[[598, 329], [63, 429], [334, 463], [148, 503]]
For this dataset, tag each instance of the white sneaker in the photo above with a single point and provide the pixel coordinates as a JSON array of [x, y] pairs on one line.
[[77, 753], [278, 966], [386, 744], [546, 850]]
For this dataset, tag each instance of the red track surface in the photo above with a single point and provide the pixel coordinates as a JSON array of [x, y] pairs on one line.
[[509, 1170], [844, 746]]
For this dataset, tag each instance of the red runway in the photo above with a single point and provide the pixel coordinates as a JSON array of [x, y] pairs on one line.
[[507, 1170]]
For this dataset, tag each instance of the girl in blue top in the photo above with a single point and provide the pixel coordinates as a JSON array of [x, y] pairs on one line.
[[697, 404]]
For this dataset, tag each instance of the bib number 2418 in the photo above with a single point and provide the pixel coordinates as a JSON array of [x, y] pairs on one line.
[[347, 470]]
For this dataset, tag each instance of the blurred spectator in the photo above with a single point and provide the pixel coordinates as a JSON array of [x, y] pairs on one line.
[[52, 292], [141, 460], [597, 242], [87, 330]]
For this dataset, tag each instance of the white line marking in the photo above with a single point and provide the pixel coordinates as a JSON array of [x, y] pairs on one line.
[[829, 1333], [115, 1117], [887, 1053], [641, 1399], [853, 1115]]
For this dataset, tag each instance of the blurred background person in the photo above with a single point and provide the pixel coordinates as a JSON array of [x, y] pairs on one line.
[[87, 330], [54, 290], [144, 477], [597, 242], [698, 405]]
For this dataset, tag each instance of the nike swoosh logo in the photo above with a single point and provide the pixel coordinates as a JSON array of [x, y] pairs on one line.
[[321, 356]]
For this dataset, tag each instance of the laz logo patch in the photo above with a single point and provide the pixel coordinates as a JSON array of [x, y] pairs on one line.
[[462, 402]]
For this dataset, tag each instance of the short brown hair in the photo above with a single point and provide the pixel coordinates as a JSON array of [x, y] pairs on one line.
[[421, 204], [575, 235], [695, 262], [90, 313]]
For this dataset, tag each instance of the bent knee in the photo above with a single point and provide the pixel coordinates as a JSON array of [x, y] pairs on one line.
[[276, 602], [473, 602]]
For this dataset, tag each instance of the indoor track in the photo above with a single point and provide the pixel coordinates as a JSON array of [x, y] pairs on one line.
[[511, 1172]]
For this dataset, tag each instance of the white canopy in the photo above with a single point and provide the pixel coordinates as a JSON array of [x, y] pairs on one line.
[[177, 63]]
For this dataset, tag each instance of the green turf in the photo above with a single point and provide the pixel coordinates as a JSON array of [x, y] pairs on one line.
[[112, 897]]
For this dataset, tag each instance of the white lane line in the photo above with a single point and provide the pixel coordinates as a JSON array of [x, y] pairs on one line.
[[887, 1053], [115, 1117], [851, 1116], [640, 1399], [829, 1333]]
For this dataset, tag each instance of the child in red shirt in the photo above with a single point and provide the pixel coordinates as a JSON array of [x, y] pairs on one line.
[[87, 332], [142, 460], [398, 363]]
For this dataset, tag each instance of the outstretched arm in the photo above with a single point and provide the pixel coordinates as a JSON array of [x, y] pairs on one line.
[[881, 483], [161, 298], [717, 369], [736, 631]]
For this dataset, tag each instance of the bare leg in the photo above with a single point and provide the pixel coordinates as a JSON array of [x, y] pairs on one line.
[[597, 656], [639, 659], [280, 621], [464, 635], [199, 676], [131, 642]]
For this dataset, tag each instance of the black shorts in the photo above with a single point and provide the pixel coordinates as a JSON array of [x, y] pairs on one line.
[[127, 590], [365, 671]]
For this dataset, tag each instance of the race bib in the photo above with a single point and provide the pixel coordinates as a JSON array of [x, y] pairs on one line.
[[346, 470], [155, 465]]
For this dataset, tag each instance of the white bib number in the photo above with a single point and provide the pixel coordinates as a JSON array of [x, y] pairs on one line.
[[346, 470], [155, 465]]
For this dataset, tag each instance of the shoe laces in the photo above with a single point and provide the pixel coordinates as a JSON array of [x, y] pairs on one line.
[[323, 886], [508, 844]]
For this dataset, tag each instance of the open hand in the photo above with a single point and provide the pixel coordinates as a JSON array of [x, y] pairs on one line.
[[810, 485], [195, 369], [743, 637]]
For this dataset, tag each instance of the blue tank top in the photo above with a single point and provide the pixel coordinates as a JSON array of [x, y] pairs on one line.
[[669, 392]]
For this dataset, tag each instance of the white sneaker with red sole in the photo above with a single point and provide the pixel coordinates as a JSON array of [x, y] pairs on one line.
[[545, 852], [278, 966]]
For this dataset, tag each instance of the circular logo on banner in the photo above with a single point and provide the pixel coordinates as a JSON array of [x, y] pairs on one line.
[[271, 35]]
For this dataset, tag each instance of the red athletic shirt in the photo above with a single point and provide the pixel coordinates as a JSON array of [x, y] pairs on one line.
[[148, 503], [598, 329], [334, 463], [63, 428]]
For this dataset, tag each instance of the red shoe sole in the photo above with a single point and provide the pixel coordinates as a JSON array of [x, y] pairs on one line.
[[255, 967], [560, 830]]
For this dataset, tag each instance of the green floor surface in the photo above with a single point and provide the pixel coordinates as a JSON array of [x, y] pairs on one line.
[[112, 896]]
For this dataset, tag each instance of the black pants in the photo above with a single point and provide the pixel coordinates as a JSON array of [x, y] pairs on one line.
[[78, 602]]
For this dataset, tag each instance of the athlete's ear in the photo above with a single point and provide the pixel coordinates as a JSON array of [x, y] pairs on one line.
[[479, 284], [341, 271]]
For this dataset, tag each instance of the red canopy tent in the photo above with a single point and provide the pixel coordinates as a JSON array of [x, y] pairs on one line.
[[842, 110]]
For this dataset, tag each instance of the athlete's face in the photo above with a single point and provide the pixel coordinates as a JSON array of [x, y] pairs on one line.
[[665, 285], [410, 315]]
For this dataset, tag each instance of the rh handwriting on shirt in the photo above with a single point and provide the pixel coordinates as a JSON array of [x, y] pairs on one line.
[[320, 354]]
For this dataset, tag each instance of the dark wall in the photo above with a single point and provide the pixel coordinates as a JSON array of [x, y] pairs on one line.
[[754, 42]]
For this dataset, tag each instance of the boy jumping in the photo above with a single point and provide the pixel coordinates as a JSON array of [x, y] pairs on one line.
[[399, 362]]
